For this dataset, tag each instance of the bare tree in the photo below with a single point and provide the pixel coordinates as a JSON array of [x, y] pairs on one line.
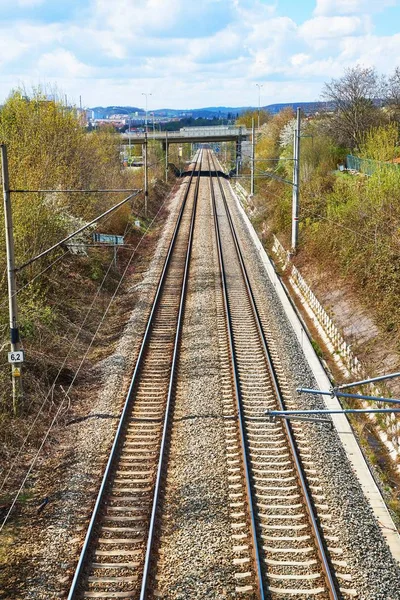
[[355, 98], [392, 96]]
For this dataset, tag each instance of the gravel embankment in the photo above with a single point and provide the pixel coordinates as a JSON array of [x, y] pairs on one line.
[[48, 545], [196, 558], [375, 574]]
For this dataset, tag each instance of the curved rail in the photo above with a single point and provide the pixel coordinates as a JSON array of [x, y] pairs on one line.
[[329, 580], [115, 446]]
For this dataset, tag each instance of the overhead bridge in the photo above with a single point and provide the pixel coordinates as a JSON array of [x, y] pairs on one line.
[[191, 135]]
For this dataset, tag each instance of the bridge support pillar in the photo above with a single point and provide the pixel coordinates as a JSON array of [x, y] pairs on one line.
[[238, 155]]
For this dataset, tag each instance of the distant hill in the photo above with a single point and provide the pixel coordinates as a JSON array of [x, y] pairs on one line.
[[104, 112], [306, 107], [101, 112]]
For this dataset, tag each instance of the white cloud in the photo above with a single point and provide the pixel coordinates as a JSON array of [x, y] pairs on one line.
[[62, 63], [10, 48], [350, 7], [277, 29], [325, 28], [380, 52], [299, 59], [125, 15], [6, 4], [225, 44], [38, 34], [192, 54], [20, 40], [317, 69]]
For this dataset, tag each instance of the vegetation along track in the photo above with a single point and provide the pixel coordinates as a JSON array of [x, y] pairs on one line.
[[115, 558], [274, 507]]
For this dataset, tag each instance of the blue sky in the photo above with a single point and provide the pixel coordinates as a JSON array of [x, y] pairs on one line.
[[190, 54]]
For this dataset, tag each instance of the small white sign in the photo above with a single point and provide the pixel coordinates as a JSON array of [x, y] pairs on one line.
[[16, 357]]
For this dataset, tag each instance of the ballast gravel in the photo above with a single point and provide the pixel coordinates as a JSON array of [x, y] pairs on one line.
[[375, 573], [195, 546], [55, 538]]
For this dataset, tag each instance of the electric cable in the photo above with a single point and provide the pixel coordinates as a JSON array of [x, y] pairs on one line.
[[74, 378]]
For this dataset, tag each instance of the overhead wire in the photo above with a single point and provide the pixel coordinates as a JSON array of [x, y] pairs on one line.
[[2, 304], [71, 346], [73, 380], [324, 218], [76, 337]]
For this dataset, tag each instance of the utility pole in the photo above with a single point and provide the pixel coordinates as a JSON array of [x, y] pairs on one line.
[[252, 157], [166, 157], [146, 191], [296, 183], [129, 137], [15, 356], [146, 94], [259, 85]]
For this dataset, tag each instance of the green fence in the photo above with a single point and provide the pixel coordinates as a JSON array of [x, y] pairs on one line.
[[367, 165]]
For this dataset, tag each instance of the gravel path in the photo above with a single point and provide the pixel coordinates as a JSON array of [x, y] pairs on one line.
[[196, 558], [375, 574]]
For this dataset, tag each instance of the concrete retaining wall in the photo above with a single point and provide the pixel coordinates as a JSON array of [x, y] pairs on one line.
[[388, 426]]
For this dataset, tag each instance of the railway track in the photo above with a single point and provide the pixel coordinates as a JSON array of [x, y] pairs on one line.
[[280, 551], [116, 554], [276, 505]]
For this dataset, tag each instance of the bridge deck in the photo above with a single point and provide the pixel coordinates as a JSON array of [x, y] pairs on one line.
[[191, 134]]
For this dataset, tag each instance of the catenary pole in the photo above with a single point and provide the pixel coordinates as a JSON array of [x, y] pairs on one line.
[[296, 183], [166, 157], [146, 191], [16, 370], [252, 157], [259, 85]]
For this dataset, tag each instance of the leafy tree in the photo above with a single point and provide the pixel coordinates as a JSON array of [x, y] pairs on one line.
[[246, 118], [380, 143], [49, 150], [287, 133]]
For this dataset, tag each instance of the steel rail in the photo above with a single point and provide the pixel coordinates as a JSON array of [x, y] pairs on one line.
[[114, 449], [329, 580], [150, 538], [238, 395]]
